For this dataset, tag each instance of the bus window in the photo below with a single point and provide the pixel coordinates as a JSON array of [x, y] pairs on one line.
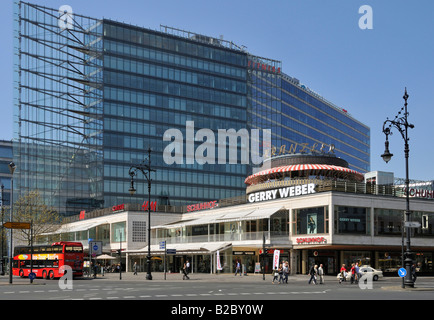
[[73, 249]]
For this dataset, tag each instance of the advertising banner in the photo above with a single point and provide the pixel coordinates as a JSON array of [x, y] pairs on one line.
[[276, 258], [219, 266]]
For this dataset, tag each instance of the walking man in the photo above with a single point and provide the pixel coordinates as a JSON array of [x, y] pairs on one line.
[[237, 268], [321, 274], [184, 271], [313, 272], [135, 268]]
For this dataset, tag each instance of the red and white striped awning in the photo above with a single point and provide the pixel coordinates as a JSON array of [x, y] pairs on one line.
[[315, 168]]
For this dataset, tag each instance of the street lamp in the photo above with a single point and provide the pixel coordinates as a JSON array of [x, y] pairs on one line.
[[400, 122], [146, 170], [3, 228], [12, 168]]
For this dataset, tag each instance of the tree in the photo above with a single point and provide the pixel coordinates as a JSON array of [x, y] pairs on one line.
[[31, 208]]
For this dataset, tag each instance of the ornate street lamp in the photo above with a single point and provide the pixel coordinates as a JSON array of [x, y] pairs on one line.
[[400, 122], [146, 170], [12, 168]]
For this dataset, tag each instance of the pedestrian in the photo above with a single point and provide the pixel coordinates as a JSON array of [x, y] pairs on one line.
[[281, 275], [286, 271], [353, 273], [184, 271], [237, 268], [321, 274], [95, 270], [357, 272], [313, 273], [135, 268], [343, 276], [275, 275], [413, 273]]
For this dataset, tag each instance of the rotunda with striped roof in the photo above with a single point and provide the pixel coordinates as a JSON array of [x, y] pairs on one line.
[[298, 169]]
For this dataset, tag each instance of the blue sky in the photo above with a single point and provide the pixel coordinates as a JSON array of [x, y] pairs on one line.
[[318, 42]]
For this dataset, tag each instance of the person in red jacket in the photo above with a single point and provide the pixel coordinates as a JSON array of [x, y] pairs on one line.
[[353, 273], [343, 276]]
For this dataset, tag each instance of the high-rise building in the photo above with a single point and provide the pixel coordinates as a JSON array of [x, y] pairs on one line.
[[92, 95]]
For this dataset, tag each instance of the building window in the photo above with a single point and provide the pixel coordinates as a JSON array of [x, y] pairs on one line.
[[118, 232], [310, 220], [351, 220], [139, 231], [388, 222]]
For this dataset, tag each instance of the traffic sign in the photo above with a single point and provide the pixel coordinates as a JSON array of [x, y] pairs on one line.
[[402, 272], [412, 224], [171, 251], [162, 245], [17, 225], [96, 247], [32, 276]]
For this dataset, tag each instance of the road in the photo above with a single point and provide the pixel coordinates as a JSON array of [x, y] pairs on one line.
[[211, 287]]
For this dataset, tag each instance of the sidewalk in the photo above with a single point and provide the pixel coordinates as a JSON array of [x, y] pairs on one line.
[[206, 277], [159, 277], [390, 284]]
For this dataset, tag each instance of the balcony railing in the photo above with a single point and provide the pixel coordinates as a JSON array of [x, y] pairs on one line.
[[331, 185], [226, 237]]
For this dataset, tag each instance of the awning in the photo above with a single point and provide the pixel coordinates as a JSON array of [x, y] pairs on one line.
[[314, 168], [220, 215], [77, 227], [184, 248], [258, 213]]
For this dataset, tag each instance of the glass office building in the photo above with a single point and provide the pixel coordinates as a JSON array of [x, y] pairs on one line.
[[92, 95]]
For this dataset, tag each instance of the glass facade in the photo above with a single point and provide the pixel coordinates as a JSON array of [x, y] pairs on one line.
[[57, 142], [303, 122], [154, 82], [89, 104], [309, 119]]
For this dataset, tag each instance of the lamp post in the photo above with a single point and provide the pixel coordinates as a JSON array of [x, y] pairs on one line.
[[146, 170], [3, 228], [400, 122], [12, 168]]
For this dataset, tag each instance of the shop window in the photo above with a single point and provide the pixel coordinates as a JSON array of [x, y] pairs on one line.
[[351, 220], [279, 223], [310, 220]]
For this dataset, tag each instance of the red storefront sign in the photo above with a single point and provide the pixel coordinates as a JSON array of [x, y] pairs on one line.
[[311, 240], [262, 67], [145, 205], [202, 206], [118, 207]]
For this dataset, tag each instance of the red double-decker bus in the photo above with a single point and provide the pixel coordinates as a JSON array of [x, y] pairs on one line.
[[47, 261]]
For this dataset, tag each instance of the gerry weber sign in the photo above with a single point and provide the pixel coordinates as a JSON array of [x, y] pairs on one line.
[[282, 193]]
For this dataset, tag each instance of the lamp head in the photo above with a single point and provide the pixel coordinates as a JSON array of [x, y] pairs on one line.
[[387, 156], [131, 190], [12, 167]]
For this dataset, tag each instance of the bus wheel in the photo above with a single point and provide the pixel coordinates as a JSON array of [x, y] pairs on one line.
[[44, 274], [51, 275], [21, 273]]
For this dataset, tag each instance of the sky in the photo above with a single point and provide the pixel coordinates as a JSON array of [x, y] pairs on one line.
[[321, 43]]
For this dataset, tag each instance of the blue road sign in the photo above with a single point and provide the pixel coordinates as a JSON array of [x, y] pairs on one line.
[[163, 245], [171, 251], [402, 272], [32, 276]]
